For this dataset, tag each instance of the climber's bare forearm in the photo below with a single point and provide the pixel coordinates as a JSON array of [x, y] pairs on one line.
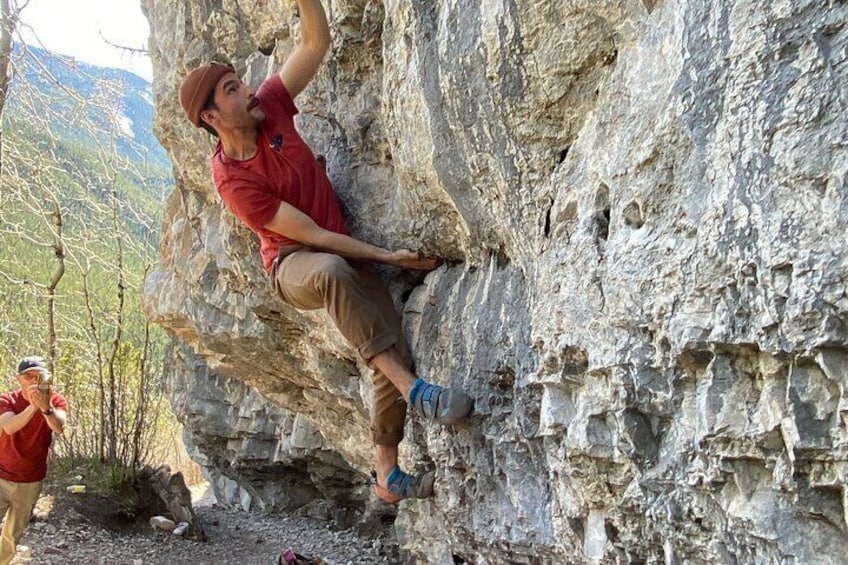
[[294, 224], [304, 60]]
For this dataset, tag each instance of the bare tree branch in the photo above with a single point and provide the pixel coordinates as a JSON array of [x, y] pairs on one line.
[[131, 50]]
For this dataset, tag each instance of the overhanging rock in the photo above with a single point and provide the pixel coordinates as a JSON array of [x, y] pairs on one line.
[[645, 208]]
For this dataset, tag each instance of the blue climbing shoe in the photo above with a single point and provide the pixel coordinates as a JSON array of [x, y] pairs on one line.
[[439, 404], [400, 485]]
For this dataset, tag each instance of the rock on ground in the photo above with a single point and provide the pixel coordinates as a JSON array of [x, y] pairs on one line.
[[59, 535]]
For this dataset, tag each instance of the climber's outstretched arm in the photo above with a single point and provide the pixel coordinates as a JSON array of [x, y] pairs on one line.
[[304, 60]]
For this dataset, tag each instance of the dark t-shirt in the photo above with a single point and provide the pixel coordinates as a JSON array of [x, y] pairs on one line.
[[23, 454], [283, 170]]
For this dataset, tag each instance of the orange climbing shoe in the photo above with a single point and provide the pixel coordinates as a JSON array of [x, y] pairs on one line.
[[400, 485]]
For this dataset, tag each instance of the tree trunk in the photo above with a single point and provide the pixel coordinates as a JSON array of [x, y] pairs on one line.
[[119, 328], [8, 22], [141, 410], [59, 252], [101, 384]]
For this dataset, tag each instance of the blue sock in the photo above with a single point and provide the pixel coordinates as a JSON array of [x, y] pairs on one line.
[[416, 390], [394, 475]]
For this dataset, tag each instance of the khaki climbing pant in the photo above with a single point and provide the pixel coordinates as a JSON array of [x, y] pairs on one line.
[[16, 501], [360, 305]]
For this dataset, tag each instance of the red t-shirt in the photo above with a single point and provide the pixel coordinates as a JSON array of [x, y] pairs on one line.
[[23, 454], [283, 170]]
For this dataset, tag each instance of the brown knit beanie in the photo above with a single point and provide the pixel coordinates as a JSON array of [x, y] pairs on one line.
[[198, 85]]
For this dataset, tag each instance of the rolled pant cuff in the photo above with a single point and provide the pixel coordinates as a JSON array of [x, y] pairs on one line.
[[389, 439], [377, 345]]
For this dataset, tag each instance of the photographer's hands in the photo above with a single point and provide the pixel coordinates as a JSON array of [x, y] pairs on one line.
[[38, 398], [39, 401]]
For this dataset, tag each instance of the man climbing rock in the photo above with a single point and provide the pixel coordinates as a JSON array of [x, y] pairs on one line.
[[269, 178], [29, 417]]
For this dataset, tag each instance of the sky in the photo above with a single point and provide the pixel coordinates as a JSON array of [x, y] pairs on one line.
[[78, 28]]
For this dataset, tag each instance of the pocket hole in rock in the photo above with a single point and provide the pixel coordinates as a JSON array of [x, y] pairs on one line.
[[633, 215]]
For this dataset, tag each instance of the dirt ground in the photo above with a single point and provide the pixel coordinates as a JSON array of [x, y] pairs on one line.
[[89, 529]]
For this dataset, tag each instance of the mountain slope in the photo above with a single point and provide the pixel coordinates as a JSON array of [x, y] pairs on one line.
[[117, 102]]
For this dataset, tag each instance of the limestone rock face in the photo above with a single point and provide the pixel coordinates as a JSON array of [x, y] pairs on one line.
[[258, 456], [644, 206]]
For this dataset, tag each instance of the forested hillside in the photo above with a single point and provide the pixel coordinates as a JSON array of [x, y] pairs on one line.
[[82, 180], [76, 93]]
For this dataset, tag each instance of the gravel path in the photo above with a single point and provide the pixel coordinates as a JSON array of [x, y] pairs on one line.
[[235, 538]]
